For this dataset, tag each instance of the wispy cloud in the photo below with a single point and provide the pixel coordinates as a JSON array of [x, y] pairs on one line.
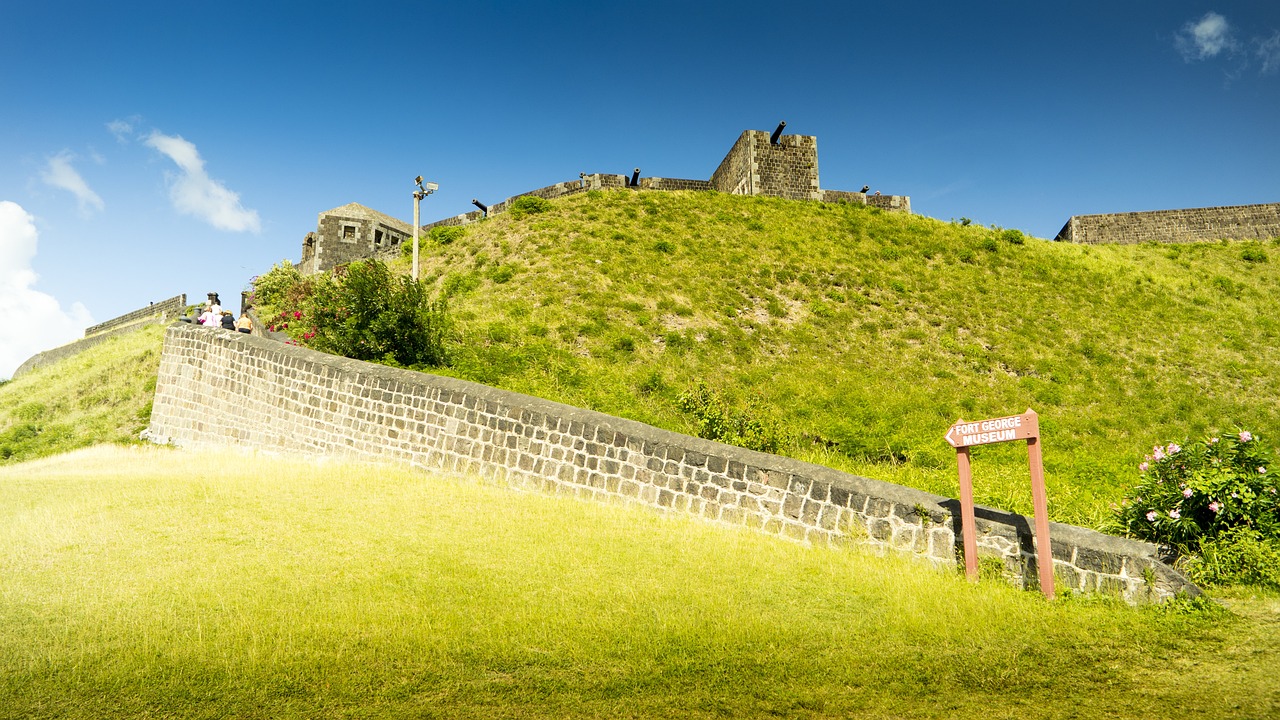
[[59, 173], [194, 193], [1268, 52], [123, 129], [1214, 37], [1207, 37], [33, 320]]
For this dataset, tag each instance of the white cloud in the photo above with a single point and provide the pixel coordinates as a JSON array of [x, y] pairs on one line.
[[193, 192], [32, 321], [1269, 53], [123, 129], [1207, 37], [59, 173]]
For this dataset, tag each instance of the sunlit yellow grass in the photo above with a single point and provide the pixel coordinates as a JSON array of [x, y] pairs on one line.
[[142, 581]]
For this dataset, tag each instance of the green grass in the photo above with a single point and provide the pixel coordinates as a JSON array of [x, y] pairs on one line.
[[100, 395], [144, 582], [862, 335]]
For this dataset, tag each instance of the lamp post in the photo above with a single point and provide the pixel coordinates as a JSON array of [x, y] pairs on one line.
[[418, 194]]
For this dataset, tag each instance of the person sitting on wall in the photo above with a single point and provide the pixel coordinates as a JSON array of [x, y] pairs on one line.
[[207, 318], [214, 304], [244, 324], [227, 320]]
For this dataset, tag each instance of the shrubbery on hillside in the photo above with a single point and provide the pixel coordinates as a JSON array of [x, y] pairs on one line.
[[365, 313], [270, 287], [1215, 502]]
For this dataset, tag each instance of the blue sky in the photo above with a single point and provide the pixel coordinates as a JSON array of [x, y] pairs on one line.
[[155, 148]]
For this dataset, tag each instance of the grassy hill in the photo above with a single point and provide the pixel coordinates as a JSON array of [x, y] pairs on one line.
[[856, 337], [145, 582], [101, 395]]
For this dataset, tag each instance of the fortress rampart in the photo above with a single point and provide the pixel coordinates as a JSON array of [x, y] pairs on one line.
[[217, 386], [154, 313], [1236, 222], [755, 165], [160, 311]]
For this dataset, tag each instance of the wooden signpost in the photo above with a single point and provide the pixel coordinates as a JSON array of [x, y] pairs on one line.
[[964, 435]]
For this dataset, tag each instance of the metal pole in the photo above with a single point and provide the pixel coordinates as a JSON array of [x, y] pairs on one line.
[[417, 199]]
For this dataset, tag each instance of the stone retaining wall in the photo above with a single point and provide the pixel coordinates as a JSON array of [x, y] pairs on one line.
[[218, 386]]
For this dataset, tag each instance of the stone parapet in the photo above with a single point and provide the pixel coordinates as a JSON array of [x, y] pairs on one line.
[[163, 310], [49, 357], [217, 387], [1239, 222]]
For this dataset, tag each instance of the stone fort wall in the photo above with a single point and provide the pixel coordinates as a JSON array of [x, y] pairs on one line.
[[1237, 222], [154, 313], [165, 309], [217, 387]]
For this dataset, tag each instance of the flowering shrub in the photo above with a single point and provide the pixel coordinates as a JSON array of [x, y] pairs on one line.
[[1189, 496], [365, 312], [370, 314]]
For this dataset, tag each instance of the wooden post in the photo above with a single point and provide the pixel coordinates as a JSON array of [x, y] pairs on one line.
[[967, 522], [1040, 497]]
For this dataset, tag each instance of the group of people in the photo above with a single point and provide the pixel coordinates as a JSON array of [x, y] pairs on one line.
[[214, 316]]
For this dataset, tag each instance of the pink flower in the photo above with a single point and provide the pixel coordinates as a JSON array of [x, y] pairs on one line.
[[1151, 516], [1175, 514], [1262, 471], [297, 314], [1213, 441], [1173, 448], [1187, 493], [1143, 467], [1214, 506], [1246, 436], [1158, 453]]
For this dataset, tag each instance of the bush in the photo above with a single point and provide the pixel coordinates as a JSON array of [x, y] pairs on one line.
[[528, 205], [1239, 556], [271, 287], [440, 235], [369, 314], [1254, 254], [717, 421], [1202, 496]]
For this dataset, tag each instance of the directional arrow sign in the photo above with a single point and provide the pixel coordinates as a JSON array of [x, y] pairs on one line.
[[984, 432], [964, 435]]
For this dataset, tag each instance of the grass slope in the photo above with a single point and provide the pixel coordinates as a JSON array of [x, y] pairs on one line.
[[145, 582], [100, 395], [863, 335]]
